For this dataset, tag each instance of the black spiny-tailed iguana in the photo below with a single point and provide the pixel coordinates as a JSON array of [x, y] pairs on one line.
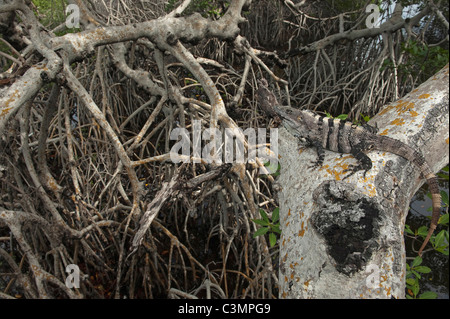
[[344, 137]]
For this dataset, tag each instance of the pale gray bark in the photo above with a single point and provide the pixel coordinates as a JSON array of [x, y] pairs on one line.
[[344, 239]]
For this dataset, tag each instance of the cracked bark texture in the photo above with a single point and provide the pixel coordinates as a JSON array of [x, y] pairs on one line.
[[344, 239]]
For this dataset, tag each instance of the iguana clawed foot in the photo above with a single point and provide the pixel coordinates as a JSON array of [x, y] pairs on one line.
[[315, 165], [354, 169]]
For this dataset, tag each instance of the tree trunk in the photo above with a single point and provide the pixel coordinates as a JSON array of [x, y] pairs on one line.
[[344, 239]]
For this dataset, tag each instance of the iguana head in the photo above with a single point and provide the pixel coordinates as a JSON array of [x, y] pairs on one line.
[[300, 123]]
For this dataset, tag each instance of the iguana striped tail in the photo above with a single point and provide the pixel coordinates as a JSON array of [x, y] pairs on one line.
[[399, 148]]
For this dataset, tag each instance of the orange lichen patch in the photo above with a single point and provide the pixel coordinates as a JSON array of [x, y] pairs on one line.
[[401, 107], [302, 230], [4, 111], [338, 174], [52, 184], [424, 96], [371, 191], [335, 173], [385, 132], [386, 109], [13, 97], [446, 140], [398, 121], [413, 113], [404, 106], [293, 265]]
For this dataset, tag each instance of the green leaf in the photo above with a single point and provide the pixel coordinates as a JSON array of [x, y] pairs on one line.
[[439, 239], [415, 289], [275, 215], [443, 219], [342, 117], [416, 262], [264, 215], [277, 171], [418, 276], [444, 197], [422, 231], [428, 295], [423, 269], [260, 232], [276, 229], [260, 222], [408, 230], [272, 239], [410, 282], [443, 176]]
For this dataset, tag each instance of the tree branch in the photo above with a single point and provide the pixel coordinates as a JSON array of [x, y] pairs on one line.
[[334, 232]]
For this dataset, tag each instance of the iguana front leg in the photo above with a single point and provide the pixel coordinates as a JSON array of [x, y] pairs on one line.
[[364, 162], [320, 154]]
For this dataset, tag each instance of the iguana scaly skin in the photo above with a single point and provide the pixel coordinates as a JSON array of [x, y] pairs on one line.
[[344, 137]]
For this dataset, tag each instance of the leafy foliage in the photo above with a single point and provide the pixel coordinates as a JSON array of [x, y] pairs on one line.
[[422, 61], [439, 241], [413, 274], [51, 12], [269, 226]]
